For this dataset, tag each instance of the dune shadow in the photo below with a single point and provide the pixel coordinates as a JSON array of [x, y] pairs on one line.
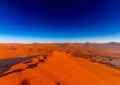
[[5, 64], [17, 70], [20, 69]]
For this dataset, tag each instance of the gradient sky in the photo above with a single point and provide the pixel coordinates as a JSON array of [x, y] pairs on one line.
[[59, 20]]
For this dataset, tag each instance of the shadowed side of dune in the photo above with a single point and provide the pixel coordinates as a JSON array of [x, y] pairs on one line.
[[5, 64]]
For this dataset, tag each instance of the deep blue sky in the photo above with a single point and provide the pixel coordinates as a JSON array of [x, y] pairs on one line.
[[59, 20]]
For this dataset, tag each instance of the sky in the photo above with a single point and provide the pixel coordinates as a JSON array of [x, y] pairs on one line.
[[59, 20]]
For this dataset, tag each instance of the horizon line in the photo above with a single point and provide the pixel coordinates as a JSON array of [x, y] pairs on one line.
[[56, 42]]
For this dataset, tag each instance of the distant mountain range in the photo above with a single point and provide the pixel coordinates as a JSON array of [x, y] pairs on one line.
[[104, 44], [74, 43]]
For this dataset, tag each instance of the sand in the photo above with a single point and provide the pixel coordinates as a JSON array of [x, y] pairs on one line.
[[60, 69]]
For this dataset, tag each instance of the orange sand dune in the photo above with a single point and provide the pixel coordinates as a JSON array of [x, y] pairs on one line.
[[105, 73], [60, 69]]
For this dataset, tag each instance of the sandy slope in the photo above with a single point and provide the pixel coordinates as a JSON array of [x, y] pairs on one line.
[[108, 74], [60, 69]]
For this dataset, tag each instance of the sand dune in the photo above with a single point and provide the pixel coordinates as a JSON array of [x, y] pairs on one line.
[[60, 69]]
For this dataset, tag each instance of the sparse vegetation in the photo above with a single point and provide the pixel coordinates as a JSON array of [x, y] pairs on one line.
[[45, 56], [32, 65], [41, 60], [25, 82], [57, 83]]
